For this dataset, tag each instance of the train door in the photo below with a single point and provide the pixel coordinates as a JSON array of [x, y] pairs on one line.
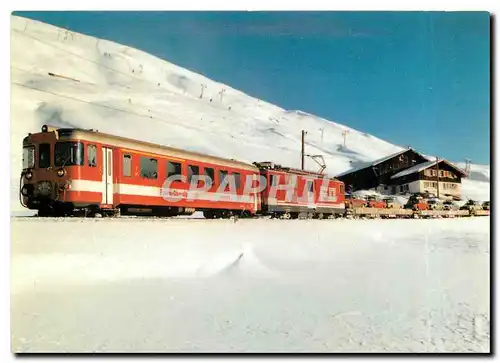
[[107, 176]]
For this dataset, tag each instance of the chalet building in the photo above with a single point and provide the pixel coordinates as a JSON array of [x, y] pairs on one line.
[[406, 172]]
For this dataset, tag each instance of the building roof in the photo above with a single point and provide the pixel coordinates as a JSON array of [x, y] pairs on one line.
[[425, 165], [377, 161]]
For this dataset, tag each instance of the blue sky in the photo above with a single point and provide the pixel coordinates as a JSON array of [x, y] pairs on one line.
[[415, 78]]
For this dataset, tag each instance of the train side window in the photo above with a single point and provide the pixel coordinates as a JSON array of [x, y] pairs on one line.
[[237, 180], [109, 167], [192, 170], [149, 168], [209, 172], [127, 165], [274, 180], [310, 185], [222, 176], [92, 155], [173, 169], [341, 189], [44, 156]]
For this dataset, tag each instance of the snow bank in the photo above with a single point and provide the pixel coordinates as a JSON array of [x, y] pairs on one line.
[[251, 286]]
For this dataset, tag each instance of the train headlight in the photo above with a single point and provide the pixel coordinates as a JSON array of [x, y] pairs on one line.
[[45, 128], [60, 172], [28, 175], [44, 188], [24, 191]]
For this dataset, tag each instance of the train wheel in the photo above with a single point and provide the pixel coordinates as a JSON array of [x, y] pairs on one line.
[[45, 212], [208, 214], [245, 214], [320, 216]]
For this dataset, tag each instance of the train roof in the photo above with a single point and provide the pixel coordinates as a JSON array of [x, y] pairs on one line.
[[268, 165], [123, 142]]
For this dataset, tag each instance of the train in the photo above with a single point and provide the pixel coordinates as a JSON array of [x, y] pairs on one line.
[[81, 172]]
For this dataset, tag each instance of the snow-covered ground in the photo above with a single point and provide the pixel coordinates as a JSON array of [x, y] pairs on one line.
[[120, 90], [252, 286]]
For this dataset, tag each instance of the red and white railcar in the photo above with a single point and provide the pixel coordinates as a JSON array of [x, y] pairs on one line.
[[290, 193], [66, 171]]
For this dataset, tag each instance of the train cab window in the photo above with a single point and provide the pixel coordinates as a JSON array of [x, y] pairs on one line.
[[44, 156], [28, 157], [92, 155], [149, 168], [68, 153], [209, 173], [127, 165], [237, 180], [192, 170], [173, 169]]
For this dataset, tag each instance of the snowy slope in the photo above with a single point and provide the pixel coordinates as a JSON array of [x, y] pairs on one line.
[[124, 91]]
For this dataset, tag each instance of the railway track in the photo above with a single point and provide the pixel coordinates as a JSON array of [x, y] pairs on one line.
[[356, 213]]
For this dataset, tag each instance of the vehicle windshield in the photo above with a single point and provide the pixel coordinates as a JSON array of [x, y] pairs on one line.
[[28, 157], [68, 153]]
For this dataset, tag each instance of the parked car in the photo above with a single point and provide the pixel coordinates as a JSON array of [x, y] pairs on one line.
[[486, 205], [429, 195], [471, 205], [354, 202], [450, 205], [391, 202], [375, 202], [417, 202], [435, 204]]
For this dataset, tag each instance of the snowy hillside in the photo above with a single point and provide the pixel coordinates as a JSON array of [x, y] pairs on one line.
[[124, 91]]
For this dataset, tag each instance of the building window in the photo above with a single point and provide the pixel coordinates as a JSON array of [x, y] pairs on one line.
[[192, 170], [149, 168], [44, 156], [92, 155], [173, 169], [127, 165]]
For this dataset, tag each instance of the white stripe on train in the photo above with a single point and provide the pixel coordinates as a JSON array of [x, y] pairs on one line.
[[82, 185]]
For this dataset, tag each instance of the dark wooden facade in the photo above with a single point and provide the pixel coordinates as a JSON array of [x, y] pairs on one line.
[[448, 174], [380, 172]]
